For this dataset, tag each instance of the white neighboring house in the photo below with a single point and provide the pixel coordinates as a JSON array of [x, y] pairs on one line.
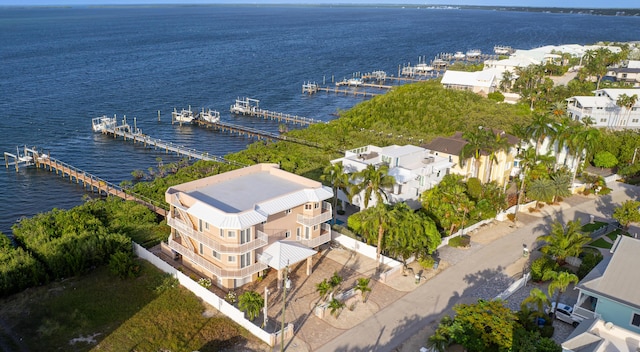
[[415, 170], [510, 64], [479, 82], [604, 111]]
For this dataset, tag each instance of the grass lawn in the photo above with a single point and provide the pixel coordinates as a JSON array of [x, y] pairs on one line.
[[601, 243], [149, 313], [589, 228]]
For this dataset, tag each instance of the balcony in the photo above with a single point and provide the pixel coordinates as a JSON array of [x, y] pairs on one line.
[[324, 216], [214, 269], [260, 240], [325, 236]]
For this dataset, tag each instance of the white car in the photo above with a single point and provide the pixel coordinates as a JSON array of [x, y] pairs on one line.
[[564, 313]]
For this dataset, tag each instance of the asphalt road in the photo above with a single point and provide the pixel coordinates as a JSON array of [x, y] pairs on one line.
[[461, 283]]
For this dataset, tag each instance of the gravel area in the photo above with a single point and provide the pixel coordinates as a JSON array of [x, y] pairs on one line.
[[492, 287]]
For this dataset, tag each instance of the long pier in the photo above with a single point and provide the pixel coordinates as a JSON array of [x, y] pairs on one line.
[[109, 126], [249, 107], [312, 88], [91, 182], [252, 132]]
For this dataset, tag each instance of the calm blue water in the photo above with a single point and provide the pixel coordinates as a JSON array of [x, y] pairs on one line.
[[61, 67]]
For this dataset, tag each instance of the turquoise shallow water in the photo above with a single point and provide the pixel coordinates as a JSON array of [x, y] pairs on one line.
[[60, 67]]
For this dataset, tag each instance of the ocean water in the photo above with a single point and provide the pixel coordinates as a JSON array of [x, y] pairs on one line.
[[60, 67]]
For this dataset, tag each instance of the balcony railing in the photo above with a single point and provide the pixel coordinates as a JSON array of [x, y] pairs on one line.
[[324, 216], [582, 312], [214, 269], [325, 236], [260, 240]]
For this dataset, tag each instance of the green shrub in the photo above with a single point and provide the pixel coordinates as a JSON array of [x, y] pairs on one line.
[[496, 96], [546, 344], [604, 191], [123, 265], [426, 262], [540, 266], [474, 188], [589, 261], [547, 331], [460, 241]]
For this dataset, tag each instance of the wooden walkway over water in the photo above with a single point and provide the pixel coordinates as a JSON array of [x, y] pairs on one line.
[[249, 107], [249, 132], [109, 126], [90, 182], [312, 88]]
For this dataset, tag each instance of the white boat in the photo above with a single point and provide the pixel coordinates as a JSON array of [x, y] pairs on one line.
[[244, 106], [211, 116], [502, 50], [423, 68], [458, 55], [473, 53], [183, 116]]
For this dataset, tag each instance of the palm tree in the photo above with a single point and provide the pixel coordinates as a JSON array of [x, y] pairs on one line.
[[477, 141], [584, 139], [363, 286], [334, 174], [561, 182], [560, 281], [506, 81], [336, 306], [323, 288], [251, 303], [541, 190], [381, 219], [538, 299], [499, 144], [539, 129], [564, 241], [627, 102], [372, 182]]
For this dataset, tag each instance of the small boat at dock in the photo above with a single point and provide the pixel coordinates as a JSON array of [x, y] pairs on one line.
[[185, 115], [502, 50], [211, 116], [473, 53], [459, 55]]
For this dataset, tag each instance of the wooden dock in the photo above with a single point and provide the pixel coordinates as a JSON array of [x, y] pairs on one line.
[[312, 88], [249, 132], [250, 107], [109, 126], [92, 183]]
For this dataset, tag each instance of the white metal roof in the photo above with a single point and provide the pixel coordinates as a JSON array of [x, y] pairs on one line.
[[593, 102], [461, 78], [398, 151], [283, 253]]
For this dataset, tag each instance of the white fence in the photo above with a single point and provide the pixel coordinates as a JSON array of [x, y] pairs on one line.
[[514, 287], [368, 251], [220, 304]]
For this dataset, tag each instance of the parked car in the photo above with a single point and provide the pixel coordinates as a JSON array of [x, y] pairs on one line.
[[564, 313]]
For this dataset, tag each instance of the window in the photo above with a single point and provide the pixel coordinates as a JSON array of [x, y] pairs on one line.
[[603, 120], [231, 258], [307, 206], [206, 225], [315, 227], [307, 234], [245, 260], [231, 234], [635, 320], [201, 249], [215, 254], [200, 225], [287, 212], [316, 205], [287, 234], [634, 120], [222, 233], [298, 231]]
